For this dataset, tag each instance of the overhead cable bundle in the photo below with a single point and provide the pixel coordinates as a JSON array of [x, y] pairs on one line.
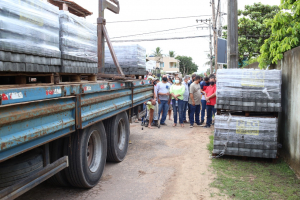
[[29, 36], [249, 90], [78, 44], [131, 58], [246, 136]]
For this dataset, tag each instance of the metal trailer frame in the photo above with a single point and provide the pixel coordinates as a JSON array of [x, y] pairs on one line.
[[34, 116]]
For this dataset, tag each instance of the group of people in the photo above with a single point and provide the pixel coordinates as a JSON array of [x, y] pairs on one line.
[[196, 95]]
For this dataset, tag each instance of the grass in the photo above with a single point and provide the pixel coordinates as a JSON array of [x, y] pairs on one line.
[[256, 179]]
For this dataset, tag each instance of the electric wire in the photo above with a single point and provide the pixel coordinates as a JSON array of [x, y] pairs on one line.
[[158, 19], [154, 32], [156, 39]]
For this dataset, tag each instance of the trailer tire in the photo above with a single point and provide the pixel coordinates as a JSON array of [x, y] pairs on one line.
[[118, 131], [87, 156], [57, 150], [20, 167]]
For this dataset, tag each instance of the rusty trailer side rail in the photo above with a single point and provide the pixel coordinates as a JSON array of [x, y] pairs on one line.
[[34, 116]]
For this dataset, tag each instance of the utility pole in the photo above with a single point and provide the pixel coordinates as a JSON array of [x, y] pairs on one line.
[[220, 22], [219, 35], [215, 33], [210, 48], [232, 38]]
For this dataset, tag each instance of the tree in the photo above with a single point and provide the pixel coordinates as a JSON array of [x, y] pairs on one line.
[[157, 52], [172, 54], [187, 66], [252, 30], [208, 62], [285, 28]]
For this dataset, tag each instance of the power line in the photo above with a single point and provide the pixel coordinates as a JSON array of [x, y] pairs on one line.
[[154, 32], [157, 19], [156, 39]]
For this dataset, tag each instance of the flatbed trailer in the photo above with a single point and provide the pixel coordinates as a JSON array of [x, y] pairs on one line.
[[74, 127]]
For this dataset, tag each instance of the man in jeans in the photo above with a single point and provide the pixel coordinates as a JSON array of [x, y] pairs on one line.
[[164, 98], [211, 98], [185, 97], [204, 84], [195, 102]]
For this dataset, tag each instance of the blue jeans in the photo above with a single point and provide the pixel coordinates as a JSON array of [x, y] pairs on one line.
[[185, 105], [210, 110], [164, 107], [203, 102], [178, 109], [194, 110]]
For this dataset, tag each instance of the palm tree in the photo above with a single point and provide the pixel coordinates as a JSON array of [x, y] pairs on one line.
[[172, 54], [208, 62], [157, 52]]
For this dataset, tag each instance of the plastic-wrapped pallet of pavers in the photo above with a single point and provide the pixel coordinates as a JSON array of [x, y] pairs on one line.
[[249, 90], [78, 44], [132, 59], [246, 136], [29, 36]]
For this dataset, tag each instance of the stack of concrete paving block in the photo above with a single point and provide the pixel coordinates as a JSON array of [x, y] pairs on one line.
[[78, 44], [246, 136], [249, 90], [29, 36], [132, 59]]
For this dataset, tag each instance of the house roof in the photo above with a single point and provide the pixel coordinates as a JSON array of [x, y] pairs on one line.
[[74, 8]]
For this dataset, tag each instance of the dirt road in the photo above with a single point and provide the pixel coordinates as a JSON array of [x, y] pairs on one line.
[[165, 163]]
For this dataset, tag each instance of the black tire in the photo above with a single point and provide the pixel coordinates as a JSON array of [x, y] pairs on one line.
[[20, 167], [87, 156], [57, 150], [118, 131]]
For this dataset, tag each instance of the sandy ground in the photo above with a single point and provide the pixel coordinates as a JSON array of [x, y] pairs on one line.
[[165, 163]]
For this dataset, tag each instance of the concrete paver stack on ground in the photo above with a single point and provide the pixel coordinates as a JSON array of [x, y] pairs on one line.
[[241, 93]]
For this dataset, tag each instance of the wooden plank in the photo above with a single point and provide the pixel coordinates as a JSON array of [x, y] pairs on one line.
[[92, 78], [20, 79]]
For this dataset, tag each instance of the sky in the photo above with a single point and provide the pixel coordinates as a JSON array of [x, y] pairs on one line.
[[197, 48]]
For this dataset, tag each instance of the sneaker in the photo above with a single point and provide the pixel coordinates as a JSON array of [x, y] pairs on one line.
[[191, 126], [164, 124], [206, 126], [199, 124]]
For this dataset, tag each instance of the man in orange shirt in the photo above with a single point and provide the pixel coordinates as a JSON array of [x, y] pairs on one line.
[[211, 98]]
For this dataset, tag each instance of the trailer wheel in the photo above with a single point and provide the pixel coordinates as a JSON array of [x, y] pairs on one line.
[[20, 167], [87, 156], [57, 149], [118, 131]]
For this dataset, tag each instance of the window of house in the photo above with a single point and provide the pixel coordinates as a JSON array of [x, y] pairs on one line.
[[162, 65], [173, 65]]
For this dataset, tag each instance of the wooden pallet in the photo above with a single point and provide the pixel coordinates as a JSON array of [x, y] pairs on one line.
[[246, 158], [25, 79], [64, 77], [249, 114]]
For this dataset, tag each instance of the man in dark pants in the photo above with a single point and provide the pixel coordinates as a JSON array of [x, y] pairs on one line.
[[211, 98], [164, 98], [204, 84], [195, 102]]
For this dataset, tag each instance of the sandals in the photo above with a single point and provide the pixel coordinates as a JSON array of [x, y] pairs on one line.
[[174, 125]]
